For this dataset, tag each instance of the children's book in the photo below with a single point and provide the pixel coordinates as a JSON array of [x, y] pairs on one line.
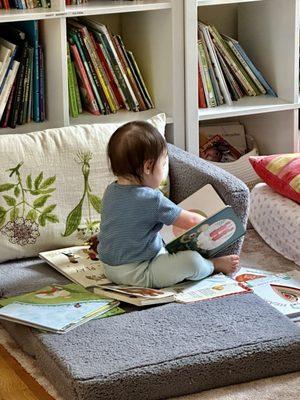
[[56, 308], [219, 229], [280, 290]]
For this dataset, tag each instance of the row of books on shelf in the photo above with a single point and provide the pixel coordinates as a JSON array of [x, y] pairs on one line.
[[225, 72], [22, 89], [24, 4], [103, 76]]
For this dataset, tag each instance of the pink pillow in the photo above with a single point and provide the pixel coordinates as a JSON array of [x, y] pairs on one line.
[[281, 172]]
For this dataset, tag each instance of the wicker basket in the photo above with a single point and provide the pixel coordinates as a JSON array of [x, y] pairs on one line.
[[242, 168]]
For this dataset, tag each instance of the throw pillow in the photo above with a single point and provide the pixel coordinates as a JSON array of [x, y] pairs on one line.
[[281, 172], [51, 186]]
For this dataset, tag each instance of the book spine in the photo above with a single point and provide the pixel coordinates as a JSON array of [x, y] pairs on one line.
[[77, 94], [236, 69], [24, 83], [19, 88], [8, 86], [246, 66], [72, 96], [138, 74], [27, 115], [42, 84], [8, 69], [36, 93], [83, 82], [120, 51], [201, 94], [208, 88], [8, 107]]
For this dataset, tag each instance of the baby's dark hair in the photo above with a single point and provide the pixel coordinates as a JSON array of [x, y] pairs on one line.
[[131, 145]]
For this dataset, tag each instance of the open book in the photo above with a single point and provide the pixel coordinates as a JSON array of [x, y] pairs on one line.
[[280, 290]]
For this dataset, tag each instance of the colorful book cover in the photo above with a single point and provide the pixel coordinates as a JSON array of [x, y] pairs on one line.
[[211, 236]]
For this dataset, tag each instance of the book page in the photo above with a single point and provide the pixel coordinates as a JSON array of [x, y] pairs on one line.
[[280, 290], [205, 202], [209, 288], [75, 264]]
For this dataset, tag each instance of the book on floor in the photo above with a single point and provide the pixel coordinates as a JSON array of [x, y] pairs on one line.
[[280, 290], [56, 308]]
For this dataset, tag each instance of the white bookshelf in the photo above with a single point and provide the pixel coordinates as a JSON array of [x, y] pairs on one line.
[[152, 30], [268, 30]]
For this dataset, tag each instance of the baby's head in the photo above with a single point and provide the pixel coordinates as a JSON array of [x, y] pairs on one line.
[[137, 153]]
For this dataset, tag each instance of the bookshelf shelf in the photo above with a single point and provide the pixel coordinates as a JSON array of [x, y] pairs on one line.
[[268, 30], [246, 106], [113, 7], [119, 117]]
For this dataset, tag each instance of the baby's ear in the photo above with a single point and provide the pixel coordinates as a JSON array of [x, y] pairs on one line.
[[148, 166]]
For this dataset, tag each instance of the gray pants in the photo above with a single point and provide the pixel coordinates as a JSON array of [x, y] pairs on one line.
[[161, 271]]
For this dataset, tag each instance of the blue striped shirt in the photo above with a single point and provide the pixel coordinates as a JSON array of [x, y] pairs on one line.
[[132, 216]]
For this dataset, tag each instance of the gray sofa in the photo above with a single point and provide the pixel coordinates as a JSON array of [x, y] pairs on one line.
[[168, 350]]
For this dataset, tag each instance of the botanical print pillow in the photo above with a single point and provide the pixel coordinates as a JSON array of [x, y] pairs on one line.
[[51, 186]]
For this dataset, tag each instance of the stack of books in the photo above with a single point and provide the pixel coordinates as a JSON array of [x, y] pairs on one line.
[[24, 4], [103, 75], [22, 89], [225, 72]]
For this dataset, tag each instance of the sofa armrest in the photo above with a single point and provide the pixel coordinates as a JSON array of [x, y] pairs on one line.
[[188, 173]]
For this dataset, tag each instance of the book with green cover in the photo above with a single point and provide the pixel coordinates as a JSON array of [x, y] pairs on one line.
[[56, 308]]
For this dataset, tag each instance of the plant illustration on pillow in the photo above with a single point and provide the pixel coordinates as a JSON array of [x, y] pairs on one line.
[[74, 221], [25, 209]]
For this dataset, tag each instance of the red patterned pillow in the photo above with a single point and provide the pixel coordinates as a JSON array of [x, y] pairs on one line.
[[281, 172]]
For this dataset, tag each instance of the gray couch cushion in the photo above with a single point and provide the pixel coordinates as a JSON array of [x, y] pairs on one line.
[[22, 276], [170, 350]]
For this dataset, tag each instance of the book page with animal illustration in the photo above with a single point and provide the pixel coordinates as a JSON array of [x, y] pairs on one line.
[[77, 265]]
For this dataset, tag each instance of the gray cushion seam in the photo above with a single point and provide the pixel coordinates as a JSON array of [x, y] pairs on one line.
[[184, 357]]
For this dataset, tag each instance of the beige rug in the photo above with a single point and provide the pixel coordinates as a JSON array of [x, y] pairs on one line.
[[284, 387]]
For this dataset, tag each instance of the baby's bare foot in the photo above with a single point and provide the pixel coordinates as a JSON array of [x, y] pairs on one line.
[[226, 264]]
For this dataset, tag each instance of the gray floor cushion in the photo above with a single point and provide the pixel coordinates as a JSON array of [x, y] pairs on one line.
[[168, 350]]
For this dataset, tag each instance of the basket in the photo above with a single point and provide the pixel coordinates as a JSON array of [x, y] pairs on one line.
[[242, 168]]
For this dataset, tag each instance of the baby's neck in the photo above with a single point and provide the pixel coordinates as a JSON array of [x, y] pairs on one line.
[[124, 181]]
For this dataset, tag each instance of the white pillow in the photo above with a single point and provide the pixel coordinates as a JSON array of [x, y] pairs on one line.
[[277, 220], [51, 186]]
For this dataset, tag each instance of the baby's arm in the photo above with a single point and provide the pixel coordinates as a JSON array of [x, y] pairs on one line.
[[188, 219]]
